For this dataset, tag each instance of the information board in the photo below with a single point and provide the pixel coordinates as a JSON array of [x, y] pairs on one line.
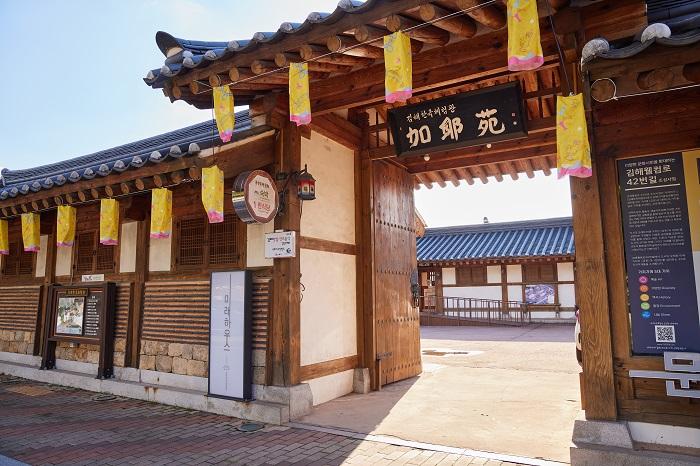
[[280, 244], [230, 365], [468, 119], [658, 194]]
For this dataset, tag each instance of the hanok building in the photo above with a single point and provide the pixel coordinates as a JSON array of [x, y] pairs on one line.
[[355, 253], [525, 266]]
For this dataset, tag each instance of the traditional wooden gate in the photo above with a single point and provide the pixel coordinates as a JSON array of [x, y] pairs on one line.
[[397, 322]]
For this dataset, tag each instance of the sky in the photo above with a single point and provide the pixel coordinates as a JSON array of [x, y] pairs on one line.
[[73, 86]]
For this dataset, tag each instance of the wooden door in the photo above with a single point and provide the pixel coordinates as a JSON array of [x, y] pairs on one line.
[[397, 321]]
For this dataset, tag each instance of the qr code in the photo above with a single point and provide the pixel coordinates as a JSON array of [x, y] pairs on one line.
[[665, 333]]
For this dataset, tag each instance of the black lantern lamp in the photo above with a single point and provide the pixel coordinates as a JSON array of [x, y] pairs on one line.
[[306, 185]]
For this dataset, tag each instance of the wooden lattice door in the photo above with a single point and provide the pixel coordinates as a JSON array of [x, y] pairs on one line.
[[397, 321]]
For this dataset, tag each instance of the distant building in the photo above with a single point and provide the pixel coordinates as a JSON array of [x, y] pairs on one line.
[[530, 262]]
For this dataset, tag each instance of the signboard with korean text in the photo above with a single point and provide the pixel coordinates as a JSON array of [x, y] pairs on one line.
[[255, 198], [660, 200], [230, 365], [280, 244], [81, 314], [470, 119]]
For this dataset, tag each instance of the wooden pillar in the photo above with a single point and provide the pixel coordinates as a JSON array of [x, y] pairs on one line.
[[285, 329], [504, 287], [49, 278], [366, 256], [598, 384], [133, 337]]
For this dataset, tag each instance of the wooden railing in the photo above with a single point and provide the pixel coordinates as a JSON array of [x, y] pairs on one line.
[[445, 310]]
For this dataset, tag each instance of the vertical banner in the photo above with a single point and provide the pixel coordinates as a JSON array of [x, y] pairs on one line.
[[161, 213], [224, 112], [109, 222], [662, 250], [230, 328], [573, 146], [65, 228], [299, 101], [4, 238], [213, 193], [31, 225], [524, 46], [398, 64]]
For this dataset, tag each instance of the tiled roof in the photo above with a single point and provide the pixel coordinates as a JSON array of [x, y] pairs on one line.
[[199, 54], [512, 240], [175, 144]]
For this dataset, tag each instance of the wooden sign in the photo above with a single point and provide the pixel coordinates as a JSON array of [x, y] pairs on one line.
[[255, 197], [84, 315], [469, 119]]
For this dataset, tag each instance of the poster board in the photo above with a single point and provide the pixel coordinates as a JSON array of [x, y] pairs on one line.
[[230, 334], [82, 314], [660, 205]]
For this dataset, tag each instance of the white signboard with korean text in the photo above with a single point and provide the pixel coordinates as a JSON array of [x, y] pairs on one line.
[[230, 369], [280, 244], [93, 278]]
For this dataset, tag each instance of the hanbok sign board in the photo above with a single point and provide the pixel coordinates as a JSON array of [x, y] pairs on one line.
[[230, 329], [470, 119]]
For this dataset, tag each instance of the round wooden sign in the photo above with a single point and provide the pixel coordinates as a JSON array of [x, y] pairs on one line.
[[255, 197]]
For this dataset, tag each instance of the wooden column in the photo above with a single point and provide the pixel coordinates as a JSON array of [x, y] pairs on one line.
[[133, 338], [286, 273], [49, 278], [598, 384]]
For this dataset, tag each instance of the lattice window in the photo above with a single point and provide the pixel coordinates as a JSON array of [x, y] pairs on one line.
[[18, 263], [201, 244], [90, 256], [471, 276], [540, 273]]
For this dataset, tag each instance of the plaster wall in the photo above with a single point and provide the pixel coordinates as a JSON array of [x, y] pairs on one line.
[[330, 387], [515, 273], [515, 293], [565, 271], [127, 247], [493, 274], [332, 215], [159, 254], [64, 258], [41, 256], [449, 276], [567, 295], [328, 307], [479, 292], [255, 247]]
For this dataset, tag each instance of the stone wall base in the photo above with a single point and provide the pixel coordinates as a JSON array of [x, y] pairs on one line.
[[272, 405], [611, 444]]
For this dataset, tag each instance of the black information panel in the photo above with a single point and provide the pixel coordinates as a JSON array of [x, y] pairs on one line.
[[470, 119], [82, 314], [659, 256]]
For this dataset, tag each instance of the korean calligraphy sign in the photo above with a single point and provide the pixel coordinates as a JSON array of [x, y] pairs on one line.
[[469, 119], [230, 335]]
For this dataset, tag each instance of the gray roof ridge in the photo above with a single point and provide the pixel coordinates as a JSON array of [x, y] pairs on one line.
[[500, 226]]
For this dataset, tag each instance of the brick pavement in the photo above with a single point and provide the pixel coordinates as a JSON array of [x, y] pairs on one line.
[[45, 424]]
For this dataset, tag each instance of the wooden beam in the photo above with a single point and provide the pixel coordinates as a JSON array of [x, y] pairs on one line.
[[287, 58], [527, 166], [321, 54], [656, 80], [489, 15], [511, 170], [465, 175], [321, 369], [691, 72], [437, 178], [337, 43], [422, 179], [459, 25], [133, 337], [480, 173], [338, 129], [324, 245], [426, 34]]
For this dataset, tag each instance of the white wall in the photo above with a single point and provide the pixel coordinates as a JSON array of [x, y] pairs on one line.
[[449, 276], [567, 295], [255, 247], [565, 271], [515, 273], [330, 387], [41, 257], [328, 309], [159, 254], [515, 293], [127, 247], [493, 274], [480, 292], [64, 258], [332, 215]]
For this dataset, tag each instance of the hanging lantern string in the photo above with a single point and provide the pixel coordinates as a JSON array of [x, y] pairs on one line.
[[559, 51], [361, 44]]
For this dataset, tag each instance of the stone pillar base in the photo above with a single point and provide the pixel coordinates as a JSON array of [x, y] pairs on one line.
[[361, 381], [610, 443]]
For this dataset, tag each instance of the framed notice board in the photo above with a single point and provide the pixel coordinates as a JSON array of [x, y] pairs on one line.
[[230, 335], [81, 314]]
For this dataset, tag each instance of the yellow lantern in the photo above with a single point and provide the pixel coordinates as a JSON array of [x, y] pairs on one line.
[[31, 225], [109, 222], [213, 193], [4, 239], [161, 213], [398, 64], [65, 230]]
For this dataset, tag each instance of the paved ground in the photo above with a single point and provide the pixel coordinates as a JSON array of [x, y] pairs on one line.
[[516, 391], [44, 424]]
